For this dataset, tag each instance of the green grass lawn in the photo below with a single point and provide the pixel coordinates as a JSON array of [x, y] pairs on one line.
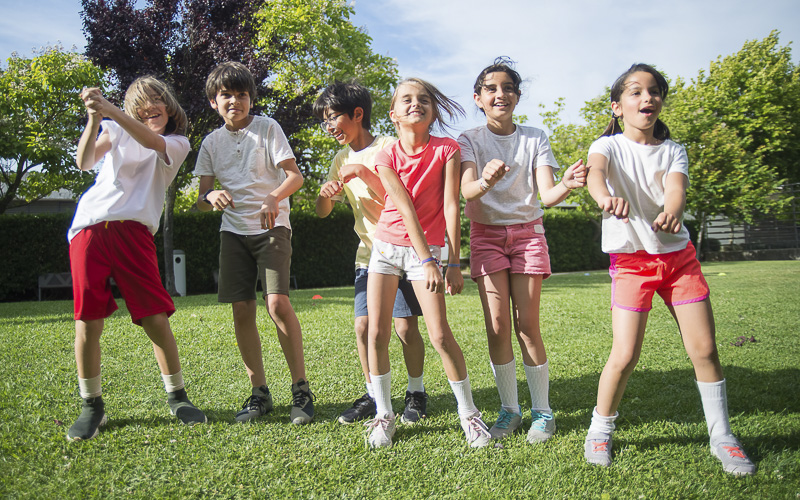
[[661, 443]]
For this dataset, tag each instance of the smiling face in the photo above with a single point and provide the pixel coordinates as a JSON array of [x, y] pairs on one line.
[[412, 105], [154, 114], [233, 106], [640, 103], [498, 96], [342, 127]]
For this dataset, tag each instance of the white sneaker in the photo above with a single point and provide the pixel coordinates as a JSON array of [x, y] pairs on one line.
[[381, 431], [477, 432]]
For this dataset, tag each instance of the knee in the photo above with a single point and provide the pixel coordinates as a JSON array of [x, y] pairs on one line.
[[279, 306], [622, 362]]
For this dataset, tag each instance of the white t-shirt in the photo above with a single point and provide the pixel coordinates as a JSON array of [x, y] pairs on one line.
[[132, 181], [513, 200], [366, 205], [245, 163], [637, 173]]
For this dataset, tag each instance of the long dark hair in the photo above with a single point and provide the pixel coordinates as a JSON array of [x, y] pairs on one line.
[[660, 131]]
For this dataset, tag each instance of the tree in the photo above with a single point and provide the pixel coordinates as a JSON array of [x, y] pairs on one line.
[[182, 40], [40, 122], [740, 124]]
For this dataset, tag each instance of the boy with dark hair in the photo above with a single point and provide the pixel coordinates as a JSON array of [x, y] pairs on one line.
[[251, 158], [345, 109]]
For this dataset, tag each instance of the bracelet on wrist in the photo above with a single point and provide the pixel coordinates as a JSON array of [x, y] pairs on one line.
[[484, 185], [429, 259], [453, 265], [205, 196]]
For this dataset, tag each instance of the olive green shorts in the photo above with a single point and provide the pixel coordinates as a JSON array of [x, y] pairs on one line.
[[245, 259]]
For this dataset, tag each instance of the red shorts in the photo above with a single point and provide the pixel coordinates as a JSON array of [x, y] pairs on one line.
[[123, 250], [675, 276], [520, 248]]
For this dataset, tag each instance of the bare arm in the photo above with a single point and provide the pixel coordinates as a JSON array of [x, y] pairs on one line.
[[596, 180], [293, 182], [324, 204], [90, 147], [93, 99], [370, 178], [452, 215], [397, 192], [219, 199], [471, 186], [553, 194], [669, 220]]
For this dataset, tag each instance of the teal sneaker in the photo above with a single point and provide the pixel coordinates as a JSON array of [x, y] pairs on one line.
[[542, 428], [507, 423]]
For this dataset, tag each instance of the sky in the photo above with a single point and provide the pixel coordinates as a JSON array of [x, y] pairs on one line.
[[570, 48]]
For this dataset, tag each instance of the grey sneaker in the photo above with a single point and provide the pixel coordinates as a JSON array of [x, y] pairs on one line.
[[181, 407], [302, 403], [507, 423], [363, 408], [381, 431], [734, 460], [477, 432], [416, 407], [88, 425], [259, 403], [597, 449], [542, 428]]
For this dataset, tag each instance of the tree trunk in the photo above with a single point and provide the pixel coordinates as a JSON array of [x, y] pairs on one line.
[[700, 234], [169, 233]]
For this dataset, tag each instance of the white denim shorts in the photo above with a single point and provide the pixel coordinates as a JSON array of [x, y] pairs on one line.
[[400, 261]]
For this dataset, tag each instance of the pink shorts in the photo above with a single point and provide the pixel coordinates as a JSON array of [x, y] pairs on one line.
[[123, 250], [675, 276], [520, 248]]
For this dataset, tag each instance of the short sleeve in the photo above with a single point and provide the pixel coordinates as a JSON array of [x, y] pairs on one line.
[[601, 146], [278, 144], [177, 150], [467, 153], [544, 154], [203, 165]]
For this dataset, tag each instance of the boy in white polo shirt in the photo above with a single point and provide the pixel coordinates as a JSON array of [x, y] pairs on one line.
[[345, 110], [251, 158]]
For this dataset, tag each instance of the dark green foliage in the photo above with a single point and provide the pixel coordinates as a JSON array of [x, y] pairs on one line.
[[574, 241]]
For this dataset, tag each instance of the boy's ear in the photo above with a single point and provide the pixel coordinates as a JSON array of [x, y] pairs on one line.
[[358, 114], [213, 103], [477, 99]]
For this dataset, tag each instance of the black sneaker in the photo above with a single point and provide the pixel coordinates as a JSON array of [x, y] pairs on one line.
[[416, 404], [302, 403], [258, 404], [181, 407], [88, 425], [362, 409]]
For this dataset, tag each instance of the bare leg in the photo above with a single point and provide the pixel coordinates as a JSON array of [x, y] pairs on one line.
[[362, 338], [244, 325], [494, 292], [413, 346], [628, 327], [696, 323], [87, 347], [164, 346], [381, 290], [290, 335], [526, 291], [435, 315]]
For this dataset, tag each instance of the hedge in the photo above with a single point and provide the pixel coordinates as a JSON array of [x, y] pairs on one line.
[[323, 249]]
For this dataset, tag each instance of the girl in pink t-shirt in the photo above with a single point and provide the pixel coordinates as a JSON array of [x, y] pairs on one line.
[[421, 176]]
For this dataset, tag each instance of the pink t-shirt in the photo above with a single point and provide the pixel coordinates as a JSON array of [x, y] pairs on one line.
[[423, 177]]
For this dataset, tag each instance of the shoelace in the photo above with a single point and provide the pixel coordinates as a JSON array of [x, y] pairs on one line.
[[414, 402], [734, 451], [599, 446], [503, 420], [372, 423], [477, 428], [300, 398], [540, 420], [253, 402]]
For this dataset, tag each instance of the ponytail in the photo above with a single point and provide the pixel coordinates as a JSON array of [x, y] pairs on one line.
[[613, 127], [661, 131]]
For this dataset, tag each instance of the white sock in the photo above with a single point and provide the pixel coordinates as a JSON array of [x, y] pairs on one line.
[[415, 384], [463, 393], [715, 406], [173, 382], [505, 376], [602, 424], [370, 390], [90, 387], [382, 385], [539, 386]]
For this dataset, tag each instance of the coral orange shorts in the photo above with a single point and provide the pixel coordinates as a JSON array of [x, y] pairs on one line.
[[675, 276]]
